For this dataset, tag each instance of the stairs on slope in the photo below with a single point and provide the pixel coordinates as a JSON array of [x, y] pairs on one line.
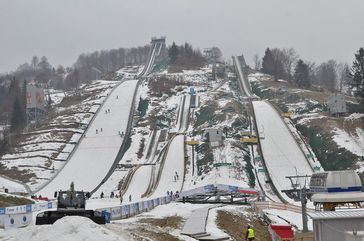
[[195, 225]]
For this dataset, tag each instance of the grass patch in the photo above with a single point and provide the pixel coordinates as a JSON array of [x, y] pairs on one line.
[[141, 148], [170, 222], [204, 164], [330, 156], [206, 114], [249, 170], [143, 106], [7, 201]]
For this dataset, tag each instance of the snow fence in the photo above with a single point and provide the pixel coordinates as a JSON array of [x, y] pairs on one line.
[[132, 209], [21, 216]]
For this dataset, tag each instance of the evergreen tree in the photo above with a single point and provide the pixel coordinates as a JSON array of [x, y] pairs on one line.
[[17, 118], [268, 62], [302, 74], [173, 53], [24, 97], [357, 75]]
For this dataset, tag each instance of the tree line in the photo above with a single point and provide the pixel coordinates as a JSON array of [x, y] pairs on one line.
[[106, 62], [331, 75], [184, 57]]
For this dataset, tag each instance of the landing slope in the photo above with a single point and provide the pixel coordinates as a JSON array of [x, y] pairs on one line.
[[97, 151], [282, 155]]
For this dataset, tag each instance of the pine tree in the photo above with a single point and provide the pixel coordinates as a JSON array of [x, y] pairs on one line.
[[302, 75], [24, 98], [357, 75], [17, 118], [268, 62], [173, 53]]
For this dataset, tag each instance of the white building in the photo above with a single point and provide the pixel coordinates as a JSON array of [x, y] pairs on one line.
[[338, 226], [214, 137], [337, 104]]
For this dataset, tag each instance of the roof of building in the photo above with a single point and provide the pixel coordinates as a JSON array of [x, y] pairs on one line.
[[341, 197], [354, 213]]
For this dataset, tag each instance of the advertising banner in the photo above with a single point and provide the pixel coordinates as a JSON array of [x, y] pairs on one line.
[[35, 97], [16, 209], [17, 220], [115, 213]]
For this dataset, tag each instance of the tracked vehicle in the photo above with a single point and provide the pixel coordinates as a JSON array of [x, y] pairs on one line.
[[70, 203]]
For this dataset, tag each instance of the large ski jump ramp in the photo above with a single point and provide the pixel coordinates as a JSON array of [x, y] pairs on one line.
[[283, 157], [97, 151]]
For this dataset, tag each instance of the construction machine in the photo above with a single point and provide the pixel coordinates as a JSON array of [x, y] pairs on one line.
[[70, 203]]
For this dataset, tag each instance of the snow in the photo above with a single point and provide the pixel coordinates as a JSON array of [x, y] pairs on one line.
[[211, 226], [12, 186], [281, 153], [244, 82], [71, 228], [354, 144], [43, 152], [354, 116], [174, 163], [282, 216], [97, 151], [138, 185]]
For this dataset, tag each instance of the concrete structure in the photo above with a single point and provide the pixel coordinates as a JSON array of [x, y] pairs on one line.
[[338, 226], [336, 104], [214, 137], [195, 226], [35, 103]]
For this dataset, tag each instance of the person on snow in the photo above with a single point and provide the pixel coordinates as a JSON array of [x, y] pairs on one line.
[[102, 195], [130, 198]]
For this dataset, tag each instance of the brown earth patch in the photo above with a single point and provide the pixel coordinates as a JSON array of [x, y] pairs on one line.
[[235, 225], [147, 235], [171, 222]]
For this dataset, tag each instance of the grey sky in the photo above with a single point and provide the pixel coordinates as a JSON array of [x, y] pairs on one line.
[[62, 29]]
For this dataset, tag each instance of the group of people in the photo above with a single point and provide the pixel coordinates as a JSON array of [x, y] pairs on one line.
[[97, 130], [170, 193], [121, 198], [107, 111], [112, 195]]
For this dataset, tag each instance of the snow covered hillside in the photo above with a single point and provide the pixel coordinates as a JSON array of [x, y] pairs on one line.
[[38, 154], [337, 142], [98, 149]]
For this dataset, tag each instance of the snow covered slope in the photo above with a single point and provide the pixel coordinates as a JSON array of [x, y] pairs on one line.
[[282, 155], [174, 163], [97, 151], [138, 185]]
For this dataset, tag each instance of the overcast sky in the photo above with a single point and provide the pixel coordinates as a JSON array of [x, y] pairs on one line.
[[62, 29]]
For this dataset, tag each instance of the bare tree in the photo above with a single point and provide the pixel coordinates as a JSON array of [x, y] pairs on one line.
[[343, 76], [327, 75], [289, 58], [257, 62]]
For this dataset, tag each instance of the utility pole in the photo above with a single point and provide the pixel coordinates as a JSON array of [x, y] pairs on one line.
[[193, 143], [299, 193]]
